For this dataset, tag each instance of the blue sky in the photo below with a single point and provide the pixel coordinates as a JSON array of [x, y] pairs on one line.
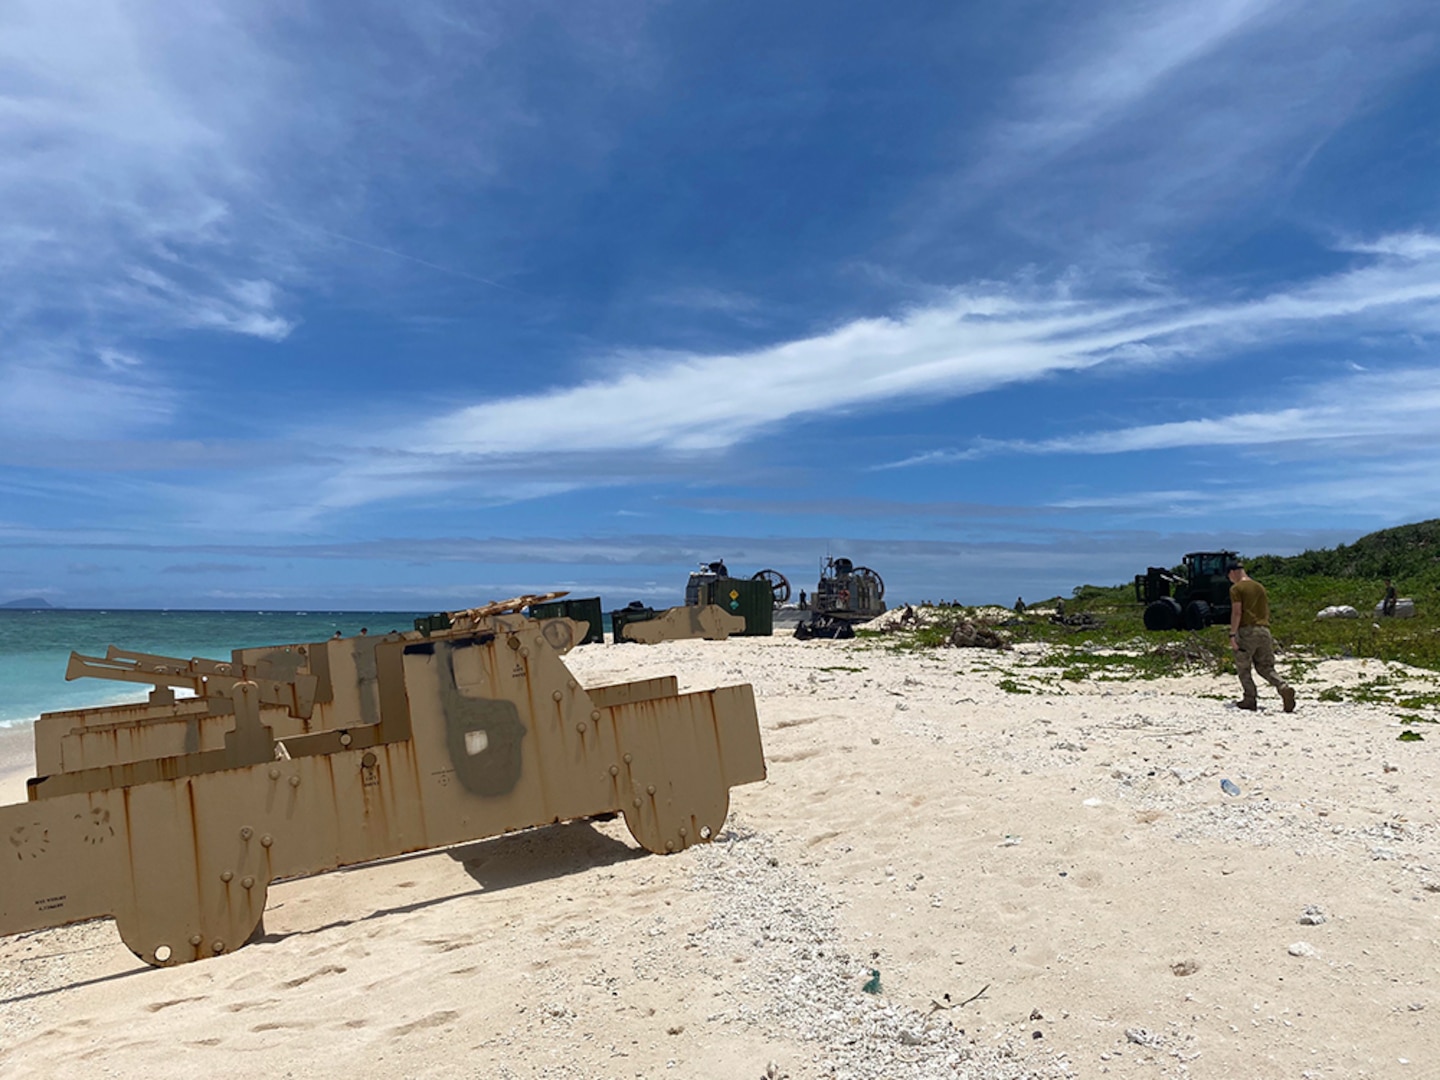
[[415, 306]]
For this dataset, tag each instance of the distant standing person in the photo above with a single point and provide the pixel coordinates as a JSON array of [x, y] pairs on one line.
[[1387, 606], [1250, 638], [802, 599]]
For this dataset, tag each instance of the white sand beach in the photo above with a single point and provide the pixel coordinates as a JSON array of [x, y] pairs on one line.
[[1049, 883]]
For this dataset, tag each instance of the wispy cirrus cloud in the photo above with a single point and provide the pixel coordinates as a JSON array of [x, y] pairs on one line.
[[56, 388], [1362, 491], [129, 135], [661, 417], [1377, 411], [1153, 117], [1112, 62], [974, 341], [126, 146], [187, 170]]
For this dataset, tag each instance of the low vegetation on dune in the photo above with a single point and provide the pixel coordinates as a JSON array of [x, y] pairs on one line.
[[1410, 554], [1294, 603], [1101, 634]]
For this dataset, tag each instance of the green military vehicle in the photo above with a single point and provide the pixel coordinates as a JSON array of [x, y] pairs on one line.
[[1191, 597]]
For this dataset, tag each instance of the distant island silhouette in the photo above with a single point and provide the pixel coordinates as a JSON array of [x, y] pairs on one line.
[[27, 603]]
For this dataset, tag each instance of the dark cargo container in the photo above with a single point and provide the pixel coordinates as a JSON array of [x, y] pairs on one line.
[[585, 610], [750, 598], [636, 612]]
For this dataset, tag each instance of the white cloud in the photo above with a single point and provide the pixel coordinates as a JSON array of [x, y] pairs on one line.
[[1363, 489], [971, 343], [1137, 120], [168, 169], [1386, 410], [672, 401], [127, 135], [665, 417], [122, 133], [1414, 246], [1111, 63], [57, 392], [662, 416], [116, 360]]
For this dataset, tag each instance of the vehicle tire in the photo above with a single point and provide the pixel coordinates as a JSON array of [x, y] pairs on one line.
[[1162, 614], [1197, 615], [1177, 615], [779, 585]]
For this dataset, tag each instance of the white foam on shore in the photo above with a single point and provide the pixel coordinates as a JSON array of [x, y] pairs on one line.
[[138, 697]]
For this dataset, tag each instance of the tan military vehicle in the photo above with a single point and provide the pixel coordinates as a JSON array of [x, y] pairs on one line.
[[174, 816], [711, 622]]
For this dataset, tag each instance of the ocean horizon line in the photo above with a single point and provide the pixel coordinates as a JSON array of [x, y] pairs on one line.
[[207, 610]]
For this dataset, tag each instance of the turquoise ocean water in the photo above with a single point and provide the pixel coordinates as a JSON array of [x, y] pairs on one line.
[[34, 646]]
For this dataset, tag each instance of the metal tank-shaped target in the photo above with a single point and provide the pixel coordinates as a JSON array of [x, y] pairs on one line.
[[174, 816]]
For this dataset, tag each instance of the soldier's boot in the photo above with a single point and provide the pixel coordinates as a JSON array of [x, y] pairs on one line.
[[1287, 695]]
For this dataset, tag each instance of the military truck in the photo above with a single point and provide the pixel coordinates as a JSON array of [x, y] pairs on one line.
[[846, 594], [1191, 597]]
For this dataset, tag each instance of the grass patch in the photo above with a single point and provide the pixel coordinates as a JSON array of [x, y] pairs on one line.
[[841, 667], [1376, 691], [1115, 624], [1154, 662], [1379, 691]]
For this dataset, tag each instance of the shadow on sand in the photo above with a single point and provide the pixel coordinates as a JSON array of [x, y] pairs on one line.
[[496, 864], [499, 863]]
